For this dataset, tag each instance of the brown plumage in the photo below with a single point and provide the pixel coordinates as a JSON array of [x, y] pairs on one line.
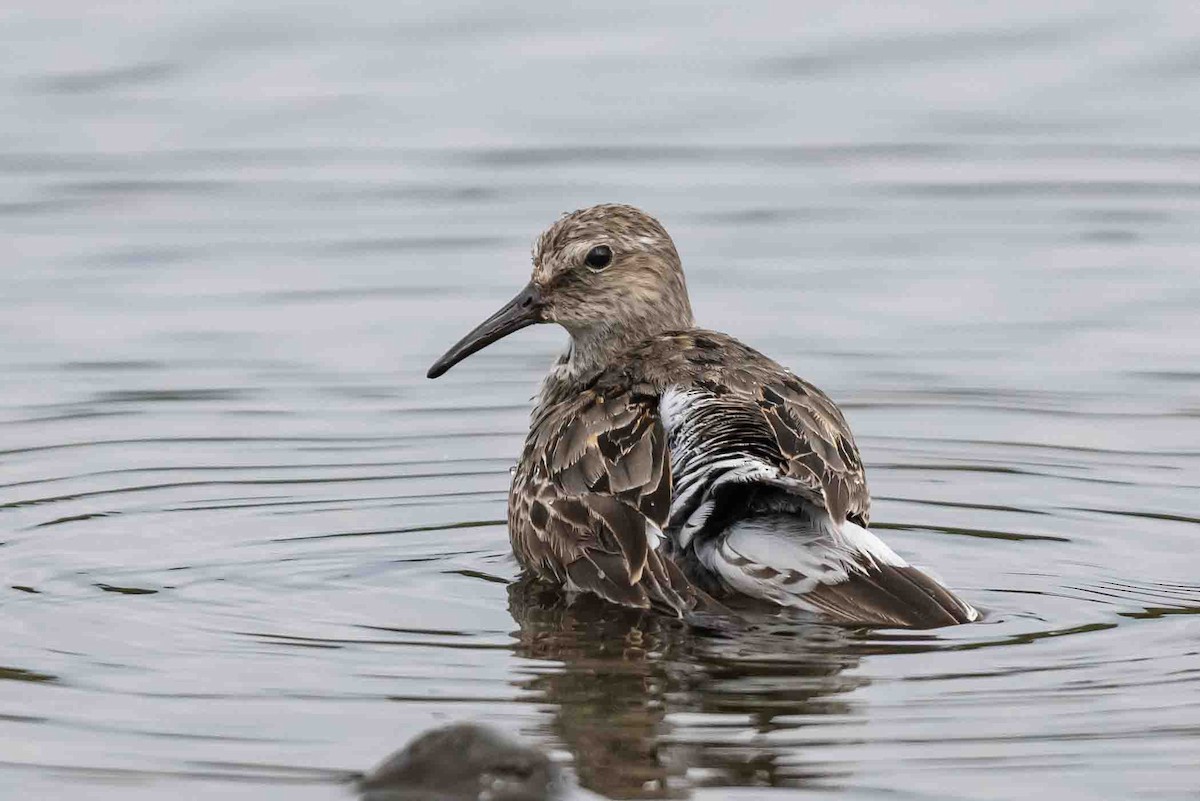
[[667, 465]]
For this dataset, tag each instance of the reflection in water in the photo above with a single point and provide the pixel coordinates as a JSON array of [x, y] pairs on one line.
[[636, 697], [248, 548]]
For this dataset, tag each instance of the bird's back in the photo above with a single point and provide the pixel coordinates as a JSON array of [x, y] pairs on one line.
[[766, 496]]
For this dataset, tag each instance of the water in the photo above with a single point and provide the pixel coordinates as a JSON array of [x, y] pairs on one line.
[[248, 549]]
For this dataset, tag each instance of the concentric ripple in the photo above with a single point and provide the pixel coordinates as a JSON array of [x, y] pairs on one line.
[[248, 549]]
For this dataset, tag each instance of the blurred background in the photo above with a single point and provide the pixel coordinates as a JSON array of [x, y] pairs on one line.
[[248, 549]]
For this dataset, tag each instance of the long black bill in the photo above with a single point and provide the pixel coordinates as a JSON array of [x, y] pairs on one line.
[[523, 310]]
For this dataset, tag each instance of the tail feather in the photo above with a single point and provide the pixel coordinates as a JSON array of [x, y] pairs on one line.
[[843, 572]]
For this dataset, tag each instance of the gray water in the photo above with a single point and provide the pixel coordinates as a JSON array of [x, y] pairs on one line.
[[247, 549]]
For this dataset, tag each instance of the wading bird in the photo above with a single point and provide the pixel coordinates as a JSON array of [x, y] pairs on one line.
[[667, 466]]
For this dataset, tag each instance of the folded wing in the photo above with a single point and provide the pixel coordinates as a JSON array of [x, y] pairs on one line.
[[591, 497], [771, 498]]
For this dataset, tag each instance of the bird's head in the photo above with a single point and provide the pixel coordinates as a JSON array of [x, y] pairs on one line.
[[608, 274]]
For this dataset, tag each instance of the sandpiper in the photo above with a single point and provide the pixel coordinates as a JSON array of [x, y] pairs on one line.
[[667, 465]]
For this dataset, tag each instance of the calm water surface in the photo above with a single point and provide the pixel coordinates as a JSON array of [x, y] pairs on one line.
[[247, 549]]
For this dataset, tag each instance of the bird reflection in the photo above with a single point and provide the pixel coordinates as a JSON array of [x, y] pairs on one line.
[[651, 706]]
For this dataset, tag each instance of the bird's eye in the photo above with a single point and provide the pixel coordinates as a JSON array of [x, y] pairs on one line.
[[599, 257]]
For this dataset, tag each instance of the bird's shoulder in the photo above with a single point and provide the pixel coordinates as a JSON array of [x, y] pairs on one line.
[[713, 387]]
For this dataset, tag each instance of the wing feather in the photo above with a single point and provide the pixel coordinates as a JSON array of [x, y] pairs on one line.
[[591, 496], [815, 441], [850, 576]]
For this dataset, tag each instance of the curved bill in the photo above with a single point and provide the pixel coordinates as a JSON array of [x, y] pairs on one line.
[[523, 310]]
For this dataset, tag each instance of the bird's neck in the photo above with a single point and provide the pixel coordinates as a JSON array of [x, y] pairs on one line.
[[599, 347]]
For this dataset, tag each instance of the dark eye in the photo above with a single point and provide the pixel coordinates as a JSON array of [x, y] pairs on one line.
[[599, 257]]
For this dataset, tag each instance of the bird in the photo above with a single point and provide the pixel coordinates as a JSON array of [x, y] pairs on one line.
[[673, 468]]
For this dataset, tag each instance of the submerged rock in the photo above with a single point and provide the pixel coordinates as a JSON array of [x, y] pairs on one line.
[[466, 762]]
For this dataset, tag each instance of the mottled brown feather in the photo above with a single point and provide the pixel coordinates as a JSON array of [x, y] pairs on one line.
[[809, 436], [885, 595], [596, 459], [598, 464]]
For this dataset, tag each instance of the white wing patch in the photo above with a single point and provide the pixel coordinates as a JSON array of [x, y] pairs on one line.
[[777, 559], [672, 407], [696, 478], [654, 535], [857, 539], [788, 550]]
